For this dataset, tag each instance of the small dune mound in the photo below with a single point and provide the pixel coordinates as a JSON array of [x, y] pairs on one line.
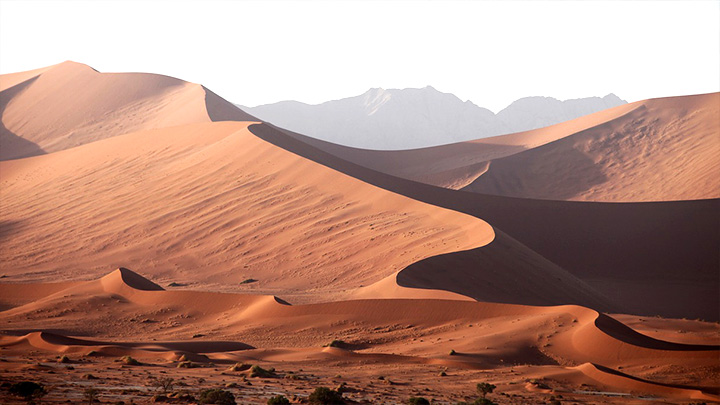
[[125, 277]]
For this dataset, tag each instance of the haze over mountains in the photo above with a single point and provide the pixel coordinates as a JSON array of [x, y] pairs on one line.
[[415, 118]]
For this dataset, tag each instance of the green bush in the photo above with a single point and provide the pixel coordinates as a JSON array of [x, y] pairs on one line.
[[278, 400], [216, 396], [325, 396], [485, 388]]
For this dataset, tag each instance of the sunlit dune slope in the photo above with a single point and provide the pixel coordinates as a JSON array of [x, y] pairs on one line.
[[664, 149], [212, 204], [457, 165], [652, 150], [71, 104]]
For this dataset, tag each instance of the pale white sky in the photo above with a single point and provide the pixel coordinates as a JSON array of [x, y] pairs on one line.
[[312, 51]]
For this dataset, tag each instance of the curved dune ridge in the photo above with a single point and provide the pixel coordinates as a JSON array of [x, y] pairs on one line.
[[557, 336], [71, 104], [653, 150], [613, 248], [663, 150], [213, 205]]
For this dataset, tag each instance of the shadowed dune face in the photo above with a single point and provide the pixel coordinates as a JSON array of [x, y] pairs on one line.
[[612, 247], [71, 104], [11, 145]]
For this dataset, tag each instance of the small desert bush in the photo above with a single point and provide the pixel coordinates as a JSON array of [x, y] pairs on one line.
[[90, 395], [278, 400], [163, 384], [216, 396], [325, 396], [418, 401], [335, 343], [239, 367], [485, 388], [28, 390], [187, 364], [129, 361], [259, 372]]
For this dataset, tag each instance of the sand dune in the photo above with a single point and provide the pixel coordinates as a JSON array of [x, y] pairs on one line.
[[457, 165], [614, 248], [211, 204], [502, 333], [71, 104], [389, 268], [652, 150], [665, 149]]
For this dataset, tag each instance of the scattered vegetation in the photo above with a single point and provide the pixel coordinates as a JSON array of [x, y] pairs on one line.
[[259, 372], [163, 384], [335, 343], [91, 395], [129, 361], [485, 388], [187, 364], [239, 367], [29, 391], [216, 396], [418, 401], [278, 400], [452, 352], [325, 396]]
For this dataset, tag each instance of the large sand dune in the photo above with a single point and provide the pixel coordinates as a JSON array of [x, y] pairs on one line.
[[615, 248], [652, 150], [71, 104], [212, 205]]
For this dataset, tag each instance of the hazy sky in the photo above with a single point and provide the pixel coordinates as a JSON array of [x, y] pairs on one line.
[[312, 51]]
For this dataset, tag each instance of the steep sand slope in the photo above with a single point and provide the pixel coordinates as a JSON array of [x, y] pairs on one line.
[[413, 330], [615, 248], [213, 204], [71, 104], [457, 165], [665, 149]]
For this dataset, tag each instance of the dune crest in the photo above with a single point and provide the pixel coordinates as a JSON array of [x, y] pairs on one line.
[[219, 206], [661, 149], [122, 278], [71, 104]]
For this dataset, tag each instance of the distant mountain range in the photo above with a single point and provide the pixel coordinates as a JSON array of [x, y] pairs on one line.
[[415, 118]]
